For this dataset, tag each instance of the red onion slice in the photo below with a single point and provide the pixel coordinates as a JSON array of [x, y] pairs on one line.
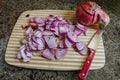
[[84, 51], [60, 53], [68, 44], [63, 21], [51, 18], [37, 33], [19, 56], [29, 32], [56, 31], [25, 26], [34, 25], [82, 28], [61, 44], [27, 47], [23, 54], [41, 44], [33, 39], [34, 42], [80, 46], [26, 59], [53, 51], [51, 41], [47, 33], [72, 37], [41, 24], [48, 26], [63, 28], [48, 54], [39, 20], [78, 32], [54, 25], [41, 32], [31, 46], [28, 53], [71, 28], [59, 18]]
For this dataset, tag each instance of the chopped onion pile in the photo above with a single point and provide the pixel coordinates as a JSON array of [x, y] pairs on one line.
[[53, 36]]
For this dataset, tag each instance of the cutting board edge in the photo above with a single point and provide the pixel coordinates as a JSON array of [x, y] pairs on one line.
[[26, 12]]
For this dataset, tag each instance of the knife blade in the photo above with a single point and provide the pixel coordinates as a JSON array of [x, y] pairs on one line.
[[94, 42], [92, 46]]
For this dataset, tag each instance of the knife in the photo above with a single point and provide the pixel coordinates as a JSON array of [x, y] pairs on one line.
[[92, 46]]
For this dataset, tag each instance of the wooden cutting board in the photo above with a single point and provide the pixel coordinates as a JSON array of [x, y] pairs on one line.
[[72, 61]]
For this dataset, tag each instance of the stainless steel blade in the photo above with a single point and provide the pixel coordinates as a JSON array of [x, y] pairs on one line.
[[94, 42]]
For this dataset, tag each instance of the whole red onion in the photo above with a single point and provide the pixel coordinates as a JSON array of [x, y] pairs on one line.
[[90, 13]]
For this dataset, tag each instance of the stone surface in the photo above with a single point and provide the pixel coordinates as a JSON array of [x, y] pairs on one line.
[[10, 11]]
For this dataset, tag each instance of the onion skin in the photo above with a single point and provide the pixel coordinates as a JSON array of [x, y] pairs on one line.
[[90, 13]]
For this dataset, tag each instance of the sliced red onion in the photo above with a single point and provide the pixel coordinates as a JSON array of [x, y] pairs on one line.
[[39, 20], [60, 53], [34, 25], [56, 31], [51, 18], [59, 18], [71, 28], [26, 59], [29, 32], [28, 53], [63, 28], [48, 26], [68, 44], [82, 28], [42, 32], [41, 28], [84, 51], [40, 47], [34, 39], [27, 47], [78, 32], [23, 54], [53, 51], [19, 56], [38, 33], [46, 38], [54, 25], [48, 54], [104, 16], [69, 22], [41, 24], [31, 46], [41, 44], [32, 20], [80, 46], [47, 33], [61, 44], [63, 22], [72, 37], [35, 44], [51, 41], [48, 22]]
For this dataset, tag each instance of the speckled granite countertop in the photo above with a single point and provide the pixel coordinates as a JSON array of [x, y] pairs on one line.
[[10, 11]]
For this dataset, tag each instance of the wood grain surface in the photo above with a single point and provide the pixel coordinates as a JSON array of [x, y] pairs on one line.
[[72, 61]]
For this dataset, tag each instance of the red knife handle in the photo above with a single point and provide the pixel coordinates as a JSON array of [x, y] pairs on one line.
[[85, 69]]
